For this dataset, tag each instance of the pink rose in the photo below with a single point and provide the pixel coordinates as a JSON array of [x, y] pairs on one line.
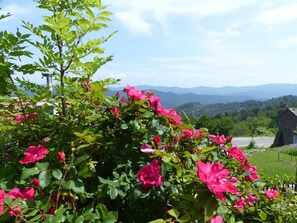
[[61, 157], [216, 178], [2, 199], [236, 153], [134, 93], [150, 176], [240, 203], [34, 154], [21, 118], [115, 111], [252, 199], [253, 172], [217, 219], [217, 139], [271, 193], [146, 148]]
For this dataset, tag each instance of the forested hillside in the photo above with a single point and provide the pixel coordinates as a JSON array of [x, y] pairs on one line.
[[239, 118]]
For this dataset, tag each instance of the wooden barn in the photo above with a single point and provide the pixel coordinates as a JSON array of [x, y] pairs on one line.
[[287, 124]]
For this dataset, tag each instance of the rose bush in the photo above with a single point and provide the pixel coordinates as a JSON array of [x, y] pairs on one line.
[[123, 158]]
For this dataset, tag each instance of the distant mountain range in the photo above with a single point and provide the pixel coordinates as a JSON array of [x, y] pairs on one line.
[[172, 97], [194, 109]]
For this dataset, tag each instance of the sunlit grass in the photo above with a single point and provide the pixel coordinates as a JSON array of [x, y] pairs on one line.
[[273, 162]]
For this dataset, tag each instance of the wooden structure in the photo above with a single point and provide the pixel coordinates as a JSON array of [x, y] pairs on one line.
[[287, 124]]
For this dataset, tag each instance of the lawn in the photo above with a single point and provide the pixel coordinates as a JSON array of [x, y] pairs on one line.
[[273, 162]]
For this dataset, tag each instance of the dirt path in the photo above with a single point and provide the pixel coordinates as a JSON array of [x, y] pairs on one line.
[[260, 141]]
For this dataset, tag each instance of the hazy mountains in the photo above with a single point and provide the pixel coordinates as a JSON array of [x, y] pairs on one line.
[[174, 96]]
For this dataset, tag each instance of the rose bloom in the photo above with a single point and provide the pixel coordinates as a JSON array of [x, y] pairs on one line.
[[236, 153], [115, 111], [61, 157], [217, 219], [271, 193], [134, 93], [21, 118], [253, 172], [215, 177], [2, 199], [150, 175], [240, 203], [252, 199], [34, 154], [217, 139]]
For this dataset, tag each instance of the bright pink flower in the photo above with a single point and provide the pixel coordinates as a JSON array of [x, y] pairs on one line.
[[150, 175], [217, 139], [28, 193], [21, 118], [115, 111], [15, 193], [154, 102], [164, 147], [215, 176], [87, 86], [173, 118], [34, 154], [253, 172], [2, 199], [252, 199], [156, 140], [134, 93], [236, 153], [240, 203], [271, 193], [146, 148], [217, 219], [188, 133], [61, 157]]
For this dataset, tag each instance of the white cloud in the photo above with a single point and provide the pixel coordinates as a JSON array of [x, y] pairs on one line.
[[291, 41], [279, 14], [15, 10], [159, 11], [134, 23]]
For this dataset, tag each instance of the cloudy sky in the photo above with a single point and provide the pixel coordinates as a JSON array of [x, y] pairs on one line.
[[191, 43]]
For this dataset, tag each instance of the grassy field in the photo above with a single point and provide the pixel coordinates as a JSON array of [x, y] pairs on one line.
[[272, 162]]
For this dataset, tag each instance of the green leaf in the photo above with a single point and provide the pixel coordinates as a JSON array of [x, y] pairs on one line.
[[210, 208], [263, 215], [102, 210], [44, 178], [80, 219], [184, 218], [113, 193], [81, 159], [78, 186], [174, 213], [42, 166], [57, 174], [29, 172], [124, 126], [111, 217], [157, 221]]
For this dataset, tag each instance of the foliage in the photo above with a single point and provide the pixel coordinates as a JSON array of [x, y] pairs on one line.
[[258, 118], [87, 157]]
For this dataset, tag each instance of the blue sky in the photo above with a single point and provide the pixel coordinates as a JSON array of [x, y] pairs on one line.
[[191, 43]]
